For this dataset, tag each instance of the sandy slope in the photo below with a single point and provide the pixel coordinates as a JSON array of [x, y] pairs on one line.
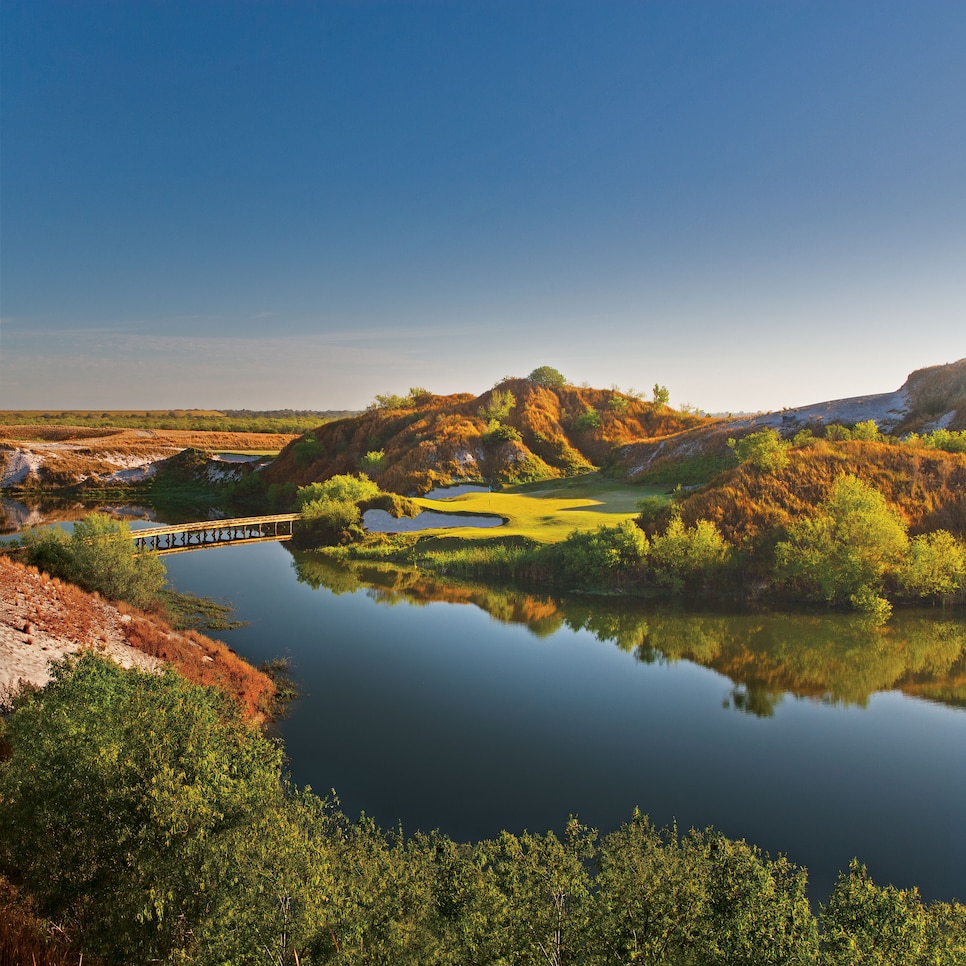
[[42, 619]]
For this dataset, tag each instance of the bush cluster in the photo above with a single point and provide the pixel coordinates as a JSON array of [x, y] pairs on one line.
[[98, 555], [147, 819], [853, 551]]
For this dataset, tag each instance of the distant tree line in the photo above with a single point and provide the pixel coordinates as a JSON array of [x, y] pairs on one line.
[[229, 421]]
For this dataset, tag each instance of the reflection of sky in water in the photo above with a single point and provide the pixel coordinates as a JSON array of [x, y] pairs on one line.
[[441, 716]]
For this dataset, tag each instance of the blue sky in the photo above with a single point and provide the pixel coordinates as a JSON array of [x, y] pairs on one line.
[[292, 204]]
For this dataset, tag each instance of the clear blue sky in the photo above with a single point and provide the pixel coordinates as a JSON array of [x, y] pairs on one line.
[[292, 204]]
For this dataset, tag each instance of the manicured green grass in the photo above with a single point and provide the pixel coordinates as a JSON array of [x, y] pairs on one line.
[[546, 511]]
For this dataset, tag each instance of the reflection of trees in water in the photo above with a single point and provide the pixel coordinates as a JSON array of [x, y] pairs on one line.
[[16, 515], [390, 586], [834, 658]]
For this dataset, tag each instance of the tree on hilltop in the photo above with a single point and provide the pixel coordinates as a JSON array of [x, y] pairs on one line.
[[548, 377]]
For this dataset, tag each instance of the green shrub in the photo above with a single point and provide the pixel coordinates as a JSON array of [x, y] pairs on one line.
[[336, 514], [417, 396], [688, 556], [307, 450], [765, 450], [943, 439], [841, 553], [145, 811], [373, 461], [99, 555], [603, 558], [868, 925], [548, 377], [868, 431], [935, 566], [501, 433], [500, 405], [651, 507], [688, 471], [345, 486], [589, 419]]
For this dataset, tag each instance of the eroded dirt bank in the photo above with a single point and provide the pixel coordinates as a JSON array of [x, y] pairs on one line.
[[42, 619]]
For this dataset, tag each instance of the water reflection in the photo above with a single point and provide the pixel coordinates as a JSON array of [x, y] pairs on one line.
[[832, 658], [19, 514]]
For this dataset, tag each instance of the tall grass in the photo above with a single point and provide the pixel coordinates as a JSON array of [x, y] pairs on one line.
[[493, 559], [28, 940]]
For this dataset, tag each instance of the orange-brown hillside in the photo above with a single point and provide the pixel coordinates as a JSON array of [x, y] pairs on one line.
[[43, 618], [928, 486], [433, 440]]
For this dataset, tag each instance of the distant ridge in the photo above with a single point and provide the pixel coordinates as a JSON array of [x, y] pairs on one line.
[[429, 440], [929, 399], [432, 440]]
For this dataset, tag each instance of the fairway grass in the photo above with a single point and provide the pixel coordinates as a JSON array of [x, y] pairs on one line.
[[546, 511]]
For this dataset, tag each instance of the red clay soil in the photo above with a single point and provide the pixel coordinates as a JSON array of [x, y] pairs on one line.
[[42, 619]]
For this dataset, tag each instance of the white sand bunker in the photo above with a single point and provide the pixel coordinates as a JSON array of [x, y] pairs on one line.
[[379, 521]]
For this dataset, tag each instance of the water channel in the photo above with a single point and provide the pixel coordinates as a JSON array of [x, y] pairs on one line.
[[472, 710]]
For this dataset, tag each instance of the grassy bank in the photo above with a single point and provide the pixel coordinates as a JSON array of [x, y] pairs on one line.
[[542, 520], [544, 512]]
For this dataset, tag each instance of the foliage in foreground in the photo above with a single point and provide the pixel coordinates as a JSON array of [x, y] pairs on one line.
[[146, 817]]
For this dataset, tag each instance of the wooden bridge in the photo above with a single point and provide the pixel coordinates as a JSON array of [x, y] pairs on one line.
[[182, 537]]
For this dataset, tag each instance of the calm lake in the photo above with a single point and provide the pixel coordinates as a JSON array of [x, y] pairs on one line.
[[472, 710]]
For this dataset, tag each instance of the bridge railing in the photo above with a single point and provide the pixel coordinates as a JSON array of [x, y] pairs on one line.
[[208, 533]]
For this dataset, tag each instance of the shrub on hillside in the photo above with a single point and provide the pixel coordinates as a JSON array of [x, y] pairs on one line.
[[307, 450], [373, 461], [766, 450], [144, 810], [588, 420], [498, 433], [98, 555], [346, 486], [944, 439], [683, 556], [499, 406], [842, 552], [935, 566]]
